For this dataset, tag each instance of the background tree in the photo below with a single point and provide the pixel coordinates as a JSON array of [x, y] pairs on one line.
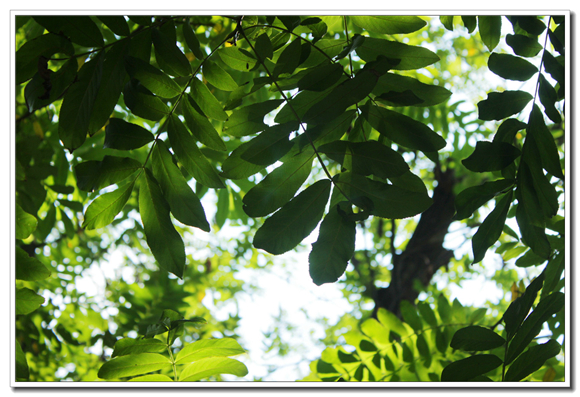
[[127, 127]]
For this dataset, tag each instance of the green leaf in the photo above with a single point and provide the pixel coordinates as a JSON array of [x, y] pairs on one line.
[[46, 46], [162, 238], [263, 47], [151, 378], [354, 43], [491, 156], [27, 301], [40, 92], [152, 78], [511, 67], [470, 22], [208, 103], [112, 83], [211, 366], [410, 315], [236, 58], [289, 58], [218, 77], [223, 207], [490, 30], [474, 197], [411, 57], [122, 135], [143, 103], [77, 104], [300, 104], [22, 371], [392, 323], [531, 24], [249, 119], [470, 367], [116, 23], [500, 105], [204, 348], [79, 28], [402, 129], [127, 346], [447, 21], [44, 226], [532, 325], [169, 56], [531, 361], [532, 235], [549, 97], [366, 158], [321, 77], [270, 145], [294, 221], [529, 259], [25, 223], [393, 88], [334, 247], [94, 175], [192, 41], [544, 142], [491, 228], [476, 338], [427, 313], [183, 202], [133, 364], [524, 46], [28, 268], [279, 186], [189, 155], [200, 127], [103, 210], [508, 129], [553, 271], [382, 199], [389, 24]]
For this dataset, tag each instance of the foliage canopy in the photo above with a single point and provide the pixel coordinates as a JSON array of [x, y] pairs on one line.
[[139, 134]]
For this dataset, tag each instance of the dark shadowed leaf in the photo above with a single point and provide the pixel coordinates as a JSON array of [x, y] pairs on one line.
[[218, 77], [549, 97], [321, 77], [519, 309], [490, 30], [152, 78], [163, 240], [534, 236], [476, 338], [500, 105], [544, 142], [474, 197], [511, 67], [334, 247], [286, 228], [183, 202], [94, 175], [508, 129], [300, 103], [125, 136], [271, 144], [491, 228], [36, 90], [169, 57], [553, 271], [389, 24], [470, 367], [532, 360], [366, 158], [447, 21], [236, 58], [289, 58], [523, 46], [470, 22], [532, 325], [192, 41], [410, 315], [391, 84], [200, 127], [491, 156], [189, 155], [263, 47], [45, 46], [143, 103], [79, 28], [29, 268], [411, 57], [116, 23], [402, 129], [78, 102]]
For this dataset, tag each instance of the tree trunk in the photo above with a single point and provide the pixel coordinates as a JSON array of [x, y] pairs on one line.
[[424, 253]]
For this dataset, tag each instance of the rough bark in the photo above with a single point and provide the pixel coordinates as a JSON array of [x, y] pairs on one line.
[[424, 253]]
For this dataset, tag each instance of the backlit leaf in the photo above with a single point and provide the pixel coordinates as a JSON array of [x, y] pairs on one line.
[[236, 58], [549, 97], [192, 41], [391, 84], [127, 346], [286, 228], [321, 77], [116, 23], [210, 106], [224, 347], [411, 57], [133, 364], [169, 57], [152, 78], [200, 127], [163, 240], [27, 301], [249, 119], [192, 159], [183, 202], [334, 247], [218, 77], [211, 366], [27, 56], [29, 268], [524, 46], [94, 175], [25, 223], [511, 67], [103, 210], [289, 58], [389, 24], [490, 30], [143, 103], [270, 145], [470, 367]]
